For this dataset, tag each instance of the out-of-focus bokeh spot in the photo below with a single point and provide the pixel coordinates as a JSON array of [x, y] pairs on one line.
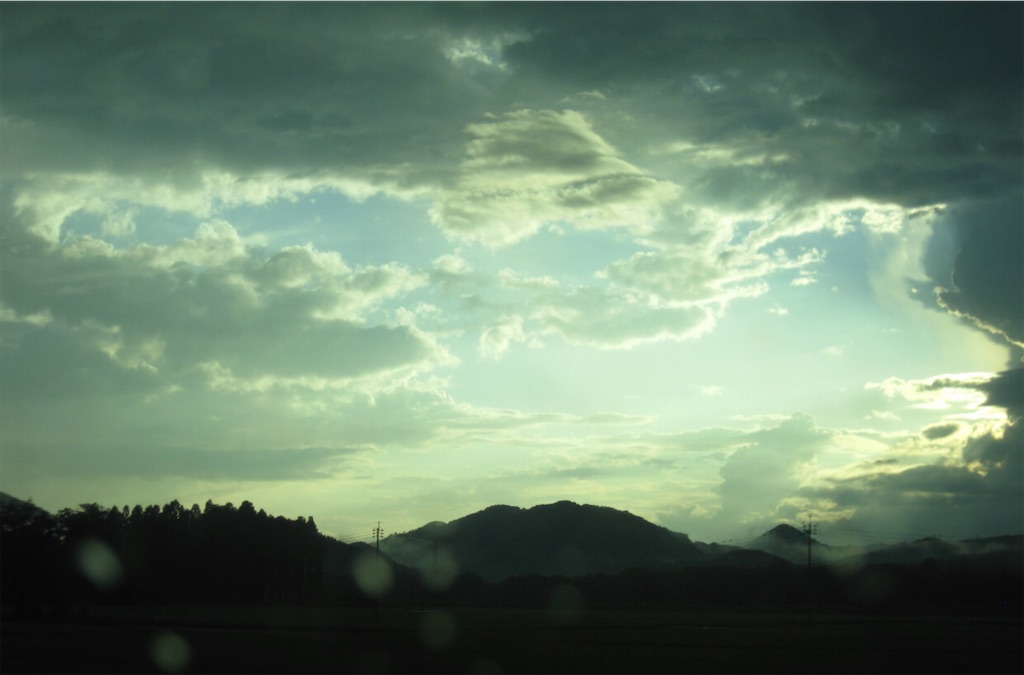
[[437, 629], [372, 574], [170, 652], [100, 565], [442, 572]]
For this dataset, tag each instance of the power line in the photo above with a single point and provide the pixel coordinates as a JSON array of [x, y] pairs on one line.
[[809, 529], [377, 532], [350, 537]]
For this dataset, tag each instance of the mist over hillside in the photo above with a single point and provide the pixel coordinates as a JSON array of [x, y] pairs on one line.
[[791, 544]]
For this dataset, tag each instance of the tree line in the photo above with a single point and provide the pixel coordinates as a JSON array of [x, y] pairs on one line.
[[154, 554]]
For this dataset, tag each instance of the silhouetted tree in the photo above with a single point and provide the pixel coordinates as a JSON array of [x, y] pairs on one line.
[[33, 567]]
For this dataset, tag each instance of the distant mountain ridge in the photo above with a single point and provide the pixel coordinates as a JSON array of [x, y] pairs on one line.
[[27, 509], [570, 539], [790, 544], [787, 533], [10, 499], [563, 538]]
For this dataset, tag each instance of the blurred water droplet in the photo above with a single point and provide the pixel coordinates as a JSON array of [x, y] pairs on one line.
[[442, 571], [170, 652], [100, 565], [372, 574]]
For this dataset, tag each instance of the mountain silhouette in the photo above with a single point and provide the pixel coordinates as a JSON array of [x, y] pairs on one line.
[[787, 533], [21, 511], [789, 543], [9, 501], [563, 538]]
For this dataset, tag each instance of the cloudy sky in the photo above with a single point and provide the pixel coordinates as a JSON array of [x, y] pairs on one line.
[[722, 266]]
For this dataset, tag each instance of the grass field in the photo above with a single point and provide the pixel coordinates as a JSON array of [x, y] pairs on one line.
[[465, 640]]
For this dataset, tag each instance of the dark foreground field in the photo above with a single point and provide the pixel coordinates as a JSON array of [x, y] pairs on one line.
[[321, 640]]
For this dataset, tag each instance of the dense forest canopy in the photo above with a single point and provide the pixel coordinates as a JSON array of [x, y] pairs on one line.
[[217, 553]]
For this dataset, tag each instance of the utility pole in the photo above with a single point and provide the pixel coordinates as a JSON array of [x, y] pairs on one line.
[[809, 529], [377, 532]]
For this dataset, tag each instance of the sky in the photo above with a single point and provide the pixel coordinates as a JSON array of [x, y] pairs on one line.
[[722, 266]]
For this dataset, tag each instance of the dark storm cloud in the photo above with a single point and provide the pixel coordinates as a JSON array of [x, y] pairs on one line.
[[987, 284], [983, 490], [908, 103], [950, 500], [1002, 457], [158, 87], [1006, 390], [911, 103], [905, 57], [324, 84], [937, 431], [932, 482]]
